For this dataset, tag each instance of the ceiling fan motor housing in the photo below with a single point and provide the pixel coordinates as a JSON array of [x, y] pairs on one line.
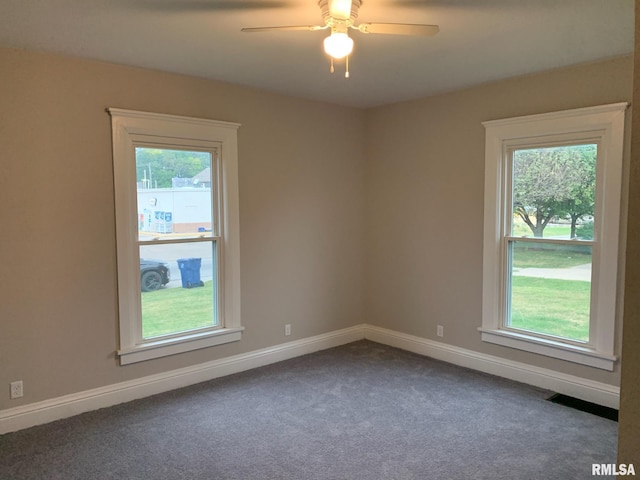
[[331, 21]]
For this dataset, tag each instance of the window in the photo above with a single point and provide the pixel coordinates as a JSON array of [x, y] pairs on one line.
[[176, 191], [552, 208]]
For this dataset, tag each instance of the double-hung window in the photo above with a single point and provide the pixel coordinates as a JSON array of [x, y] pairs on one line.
[[552, 209], [176, 198]]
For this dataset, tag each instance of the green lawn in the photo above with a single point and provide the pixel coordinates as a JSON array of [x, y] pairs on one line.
[[554, 307], [171, 310], [561, 257]]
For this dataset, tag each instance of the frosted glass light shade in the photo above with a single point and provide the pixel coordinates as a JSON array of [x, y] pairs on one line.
[[338, 45]]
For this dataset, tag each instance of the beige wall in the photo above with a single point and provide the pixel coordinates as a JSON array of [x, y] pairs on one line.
[[347, 216], [301, 205], [628, 433], [425, 181]]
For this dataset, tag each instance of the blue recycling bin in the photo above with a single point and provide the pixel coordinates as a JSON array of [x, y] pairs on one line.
[[190, 272]]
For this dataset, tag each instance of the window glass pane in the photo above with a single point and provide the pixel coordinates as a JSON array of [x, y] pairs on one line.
[[174, 193], [554, 191], [179, 291], [550, 289]]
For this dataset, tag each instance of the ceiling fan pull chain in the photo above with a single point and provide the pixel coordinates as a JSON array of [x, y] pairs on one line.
[[346, 73], [331, 69]]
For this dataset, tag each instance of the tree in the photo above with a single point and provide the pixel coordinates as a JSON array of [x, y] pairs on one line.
[[160, 166], [583, 194], [553, 182]]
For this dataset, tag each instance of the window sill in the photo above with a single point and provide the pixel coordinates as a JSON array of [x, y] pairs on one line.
[[549, 348], [174, 345]]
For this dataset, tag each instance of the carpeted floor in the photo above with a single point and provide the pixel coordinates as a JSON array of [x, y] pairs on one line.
[[360, 411]]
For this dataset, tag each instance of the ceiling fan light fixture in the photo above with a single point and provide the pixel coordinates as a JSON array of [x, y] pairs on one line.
[[340, 16], [338, 45]]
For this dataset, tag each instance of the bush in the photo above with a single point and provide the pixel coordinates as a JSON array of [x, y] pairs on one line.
[[585, 231]]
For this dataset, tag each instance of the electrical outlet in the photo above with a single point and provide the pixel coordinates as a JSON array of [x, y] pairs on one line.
[[287, 329], [16, 389], [440, 331]]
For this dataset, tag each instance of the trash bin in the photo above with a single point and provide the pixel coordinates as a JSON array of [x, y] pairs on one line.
[[190, 272]]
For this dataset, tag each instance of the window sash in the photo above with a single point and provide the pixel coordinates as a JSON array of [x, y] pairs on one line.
[[213, 238], [506, 282], [508, 239], [218, 293]]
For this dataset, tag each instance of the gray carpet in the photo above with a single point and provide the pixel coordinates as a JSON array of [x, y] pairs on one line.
[[360, 411]]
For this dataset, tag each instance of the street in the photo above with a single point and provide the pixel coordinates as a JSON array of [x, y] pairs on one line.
[[170, 253]]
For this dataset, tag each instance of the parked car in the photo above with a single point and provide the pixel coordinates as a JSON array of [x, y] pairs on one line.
[[153, 274]]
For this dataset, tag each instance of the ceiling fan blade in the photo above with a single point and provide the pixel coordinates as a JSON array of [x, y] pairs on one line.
[[340, 9], [398, 29], [250, 5], [308, 28], [190, 6], [462, 4]]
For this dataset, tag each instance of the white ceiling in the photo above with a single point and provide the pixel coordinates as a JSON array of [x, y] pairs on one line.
[[479, 41]]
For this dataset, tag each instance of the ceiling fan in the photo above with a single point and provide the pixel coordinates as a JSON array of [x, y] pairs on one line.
[[340, 16]]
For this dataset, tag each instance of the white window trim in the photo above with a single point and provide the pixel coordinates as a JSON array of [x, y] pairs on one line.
[[604, 124], [128, 128]]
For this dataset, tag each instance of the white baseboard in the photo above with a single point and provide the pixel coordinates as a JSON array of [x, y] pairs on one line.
[[14, 419], [589, 390], [17, 418]]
